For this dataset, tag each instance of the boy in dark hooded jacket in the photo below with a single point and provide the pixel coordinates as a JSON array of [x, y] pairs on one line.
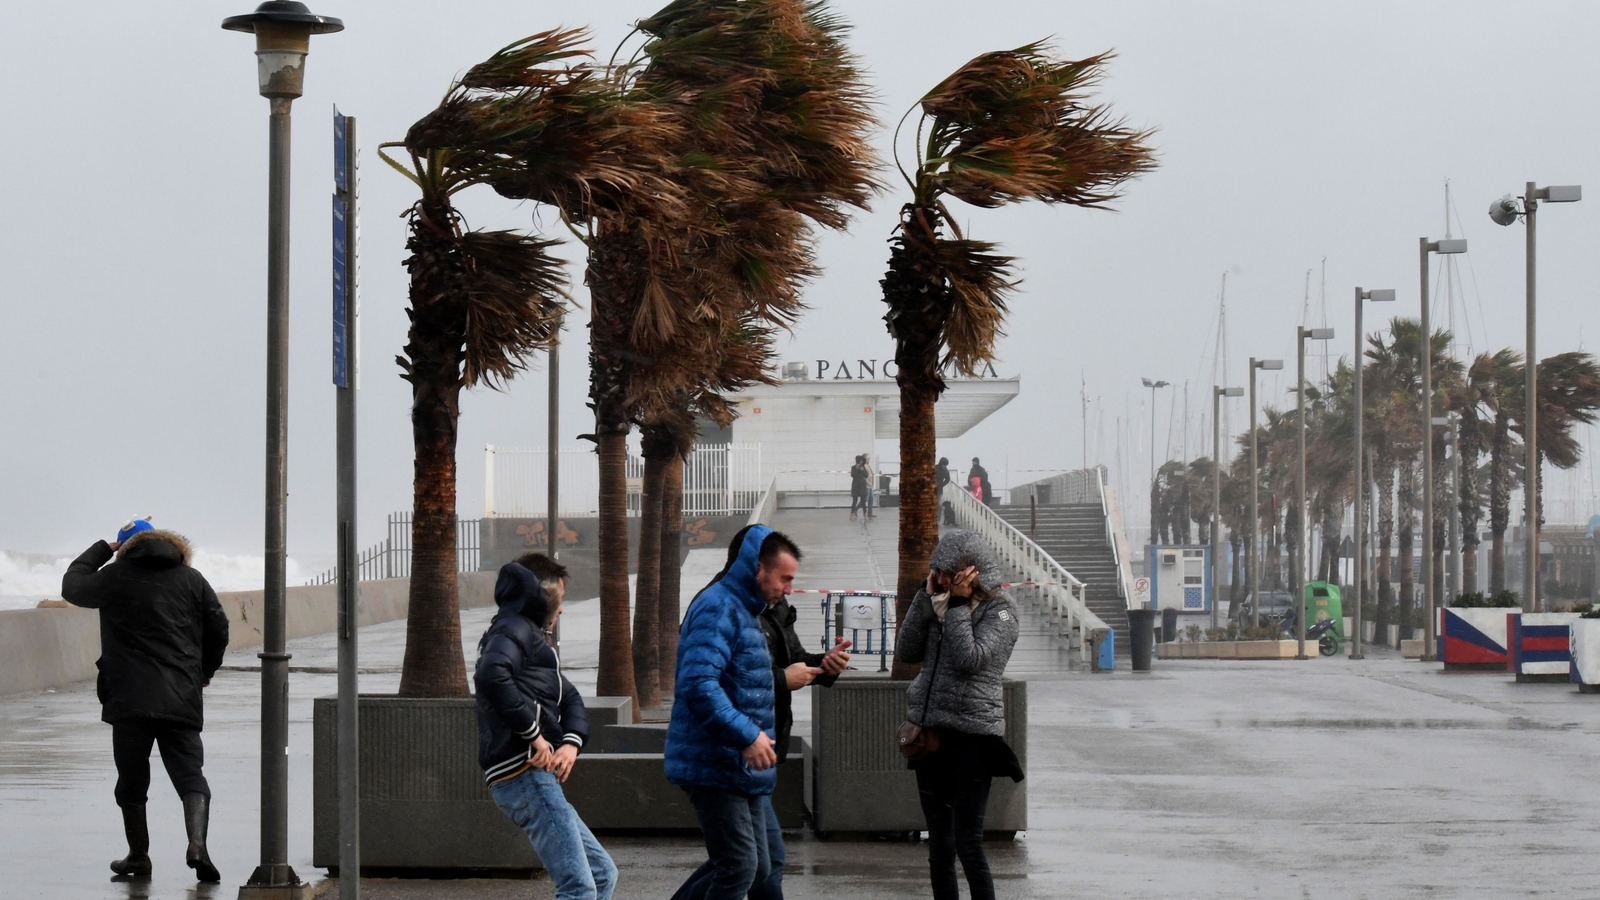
[[162, 637], [531, 725]]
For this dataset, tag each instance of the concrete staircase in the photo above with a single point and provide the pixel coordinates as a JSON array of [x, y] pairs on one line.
[[1075, 535]]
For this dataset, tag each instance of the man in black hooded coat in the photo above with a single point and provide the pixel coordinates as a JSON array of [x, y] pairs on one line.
[[162, 637]]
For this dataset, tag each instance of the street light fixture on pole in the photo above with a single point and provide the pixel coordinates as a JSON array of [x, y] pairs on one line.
[[1270, 365], [1152, 385], [1429, 597], [1384, 295], [1504, 212], [1303, 334], [1217, 393], [283, 31]]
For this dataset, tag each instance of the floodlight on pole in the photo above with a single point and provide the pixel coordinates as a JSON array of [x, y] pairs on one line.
[[283, 31], [1217, 393], [1504, 212], [1303, 334], [1376, 295], [1271, 365], [1430, 627]]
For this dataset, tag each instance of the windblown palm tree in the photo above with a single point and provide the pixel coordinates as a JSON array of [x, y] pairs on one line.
[[1006, 127], [481, 302]]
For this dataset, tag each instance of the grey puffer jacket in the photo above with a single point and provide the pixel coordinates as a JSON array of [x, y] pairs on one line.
[[966, 656]]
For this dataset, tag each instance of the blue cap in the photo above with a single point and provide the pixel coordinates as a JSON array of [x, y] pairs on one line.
[[134, 527]]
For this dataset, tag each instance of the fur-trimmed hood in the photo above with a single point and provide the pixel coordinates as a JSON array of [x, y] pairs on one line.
[[157, 549]]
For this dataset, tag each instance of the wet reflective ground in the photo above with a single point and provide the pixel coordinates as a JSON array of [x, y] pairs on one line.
[[1208, 778]]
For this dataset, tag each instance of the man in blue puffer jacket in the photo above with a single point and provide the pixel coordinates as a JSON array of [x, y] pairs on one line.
[[531, 725], [720, 746]]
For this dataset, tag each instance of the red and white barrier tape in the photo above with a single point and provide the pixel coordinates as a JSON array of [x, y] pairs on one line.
[[1007, 584]]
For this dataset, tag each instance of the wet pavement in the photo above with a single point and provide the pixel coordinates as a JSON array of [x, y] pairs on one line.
[[1279, 779]]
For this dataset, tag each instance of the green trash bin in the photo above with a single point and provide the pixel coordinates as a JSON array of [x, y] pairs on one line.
[[1322, 602]]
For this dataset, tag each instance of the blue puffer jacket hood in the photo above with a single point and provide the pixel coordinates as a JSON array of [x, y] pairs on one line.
[[518, 592], [723, 695]]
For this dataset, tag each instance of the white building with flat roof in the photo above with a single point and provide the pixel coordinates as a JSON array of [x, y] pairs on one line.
[[810, 430]]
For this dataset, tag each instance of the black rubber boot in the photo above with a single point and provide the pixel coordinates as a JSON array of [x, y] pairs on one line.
[[137, 863], [196, 818]]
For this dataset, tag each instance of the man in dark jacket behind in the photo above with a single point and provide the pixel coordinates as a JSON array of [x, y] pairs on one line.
[[531, 725], [162, 637]]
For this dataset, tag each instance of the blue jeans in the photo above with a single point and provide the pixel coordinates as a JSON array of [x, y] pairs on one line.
[[770, 889], [580, 868], [737, 829]]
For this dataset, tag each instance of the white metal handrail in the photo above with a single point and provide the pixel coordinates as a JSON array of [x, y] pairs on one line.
[[1123, 589], [1055, 591]]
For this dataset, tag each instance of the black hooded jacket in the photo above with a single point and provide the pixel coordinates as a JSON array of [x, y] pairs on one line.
[[777, 626], [521, 693], [162, 631]]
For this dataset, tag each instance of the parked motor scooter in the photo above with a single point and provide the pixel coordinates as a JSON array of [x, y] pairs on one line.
[[1321, 632]]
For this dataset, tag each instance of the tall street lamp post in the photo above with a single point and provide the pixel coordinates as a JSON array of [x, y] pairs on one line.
[[1303, 334], [1270, 365], [1504, 212], [1429, 596], [1376, 296], [1217, 393], [1152, 385], [283, 32]]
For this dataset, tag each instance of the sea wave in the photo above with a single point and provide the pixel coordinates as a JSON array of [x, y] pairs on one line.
[[27, 578]]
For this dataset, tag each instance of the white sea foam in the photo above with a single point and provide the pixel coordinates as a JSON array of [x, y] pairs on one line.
[[27, 578]]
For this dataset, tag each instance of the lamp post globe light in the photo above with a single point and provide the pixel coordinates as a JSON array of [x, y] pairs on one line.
[[1303, 334], [1217, 393], [1270, 365], [1429, 595], [1381, 295], [283, 32], [1504, 212]]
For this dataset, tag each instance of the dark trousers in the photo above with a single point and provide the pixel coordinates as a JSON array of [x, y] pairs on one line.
[[771, 888], [954, 804], [181, 753], [735, 829], [858, 501]]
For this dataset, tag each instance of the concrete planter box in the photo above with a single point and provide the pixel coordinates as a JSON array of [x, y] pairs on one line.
[[1472, 639], [1538, 646], [425, 808], [1236, 650], [860, 781], [1585, 646]]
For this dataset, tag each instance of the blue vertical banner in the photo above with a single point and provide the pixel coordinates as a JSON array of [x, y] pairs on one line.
[[341, 297], [343, 287]]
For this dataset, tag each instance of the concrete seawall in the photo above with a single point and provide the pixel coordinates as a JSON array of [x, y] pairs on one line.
[[50, 648]]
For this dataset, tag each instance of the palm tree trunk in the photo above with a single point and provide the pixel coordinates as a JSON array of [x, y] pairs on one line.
[[434, 665], [1406, 514], [919, 506], [1385, 566], [615, 678], [647, 589], [671, 573]]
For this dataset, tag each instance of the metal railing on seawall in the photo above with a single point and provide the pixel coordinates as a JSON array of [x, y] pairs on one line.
[[391, 557], [1036, 575]]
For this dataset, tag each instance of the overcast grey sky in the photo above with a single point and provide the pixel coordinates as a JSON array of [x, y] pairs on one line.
[[132, 253]]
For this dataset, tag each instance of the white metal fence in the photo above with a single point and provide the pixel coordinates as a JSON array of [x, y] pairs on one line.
[[391, 557], [718, 479]]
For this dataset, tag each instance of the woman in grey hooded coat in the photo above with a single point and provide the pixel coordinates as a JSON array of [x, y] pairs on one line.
[[961, 627]]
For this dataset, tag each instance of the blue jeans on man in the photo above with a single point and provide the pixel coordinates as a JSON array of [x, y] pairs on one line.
[[738, 830], [769, 889], [579, 867]]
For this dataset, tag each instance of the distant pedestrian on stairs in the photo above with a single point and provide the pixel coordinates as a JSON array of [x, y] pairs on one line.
[[162, 637], [978, 483], [941, 478]]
